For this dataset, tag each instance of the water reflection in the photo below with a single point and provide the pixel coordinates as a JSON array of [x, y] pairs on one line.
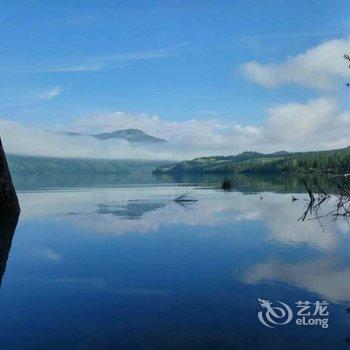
[[323, 277], [129, 268], [7, 229], [275, 213], [101, 211], [132, 210], [278, 183]]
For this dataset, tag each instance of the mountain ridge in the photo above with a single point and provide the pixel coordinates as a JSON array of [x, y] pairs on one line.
[[131, 135], [329, 161]]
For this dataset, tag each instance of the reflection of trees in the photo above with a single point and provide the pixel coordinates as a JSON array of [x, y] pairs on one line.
[[7, 229], [278, 183]]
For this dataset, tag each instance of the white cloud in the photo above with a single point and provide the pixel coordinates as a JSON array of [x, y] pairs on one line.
[[89, 66], [20, 139], [49, 94], [95, 63], [319, 67], [34, 98], [315, 125]]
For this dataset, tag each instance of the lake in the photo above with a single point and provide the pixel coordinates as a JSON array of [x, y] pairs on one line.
[[97, 264]]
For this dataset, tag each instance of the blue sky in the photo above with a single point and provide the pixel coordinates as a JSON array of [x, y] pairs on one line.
[[179, 60]]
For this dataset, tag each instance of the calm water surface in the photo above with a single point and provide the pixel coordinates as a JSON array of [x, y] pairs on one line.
[[125, 267]]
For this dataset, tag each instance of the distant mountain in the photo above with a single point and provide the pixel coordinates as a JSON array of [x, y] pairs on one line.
[[333, 161], [131, 135]]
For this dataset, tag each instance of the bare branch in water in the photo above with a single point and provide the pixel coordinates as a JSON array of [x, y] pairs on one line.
[[342, 196]]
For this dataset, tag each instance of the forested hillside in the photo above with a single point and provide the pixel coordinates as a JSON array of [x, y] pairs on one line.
[[333, 161], [47, 165]]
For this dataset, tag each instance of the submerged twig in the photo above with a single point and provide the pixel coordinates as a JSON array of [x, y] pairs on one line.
[[342, 203], [185, 198], [311, 202]]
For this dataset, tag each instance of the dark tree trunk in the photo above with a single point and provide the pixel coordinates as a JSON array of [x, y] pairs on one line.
[[8, 199]]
